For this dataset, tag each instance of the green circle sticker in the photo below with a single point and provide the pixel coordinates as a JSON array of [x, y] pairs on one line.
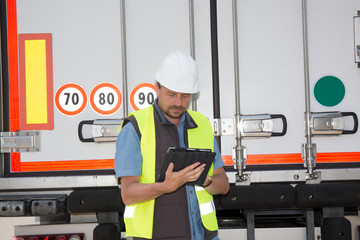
[[329, 91]]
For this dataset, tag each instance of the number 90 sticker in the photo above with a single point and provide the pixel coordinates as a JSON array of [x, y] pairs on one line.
[[70, 99], [105, 99], [142, 96]]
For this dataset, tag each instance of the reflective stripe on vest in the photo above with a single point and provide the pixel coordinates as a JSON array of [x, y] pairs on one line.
[[203, 137], [139, 217]]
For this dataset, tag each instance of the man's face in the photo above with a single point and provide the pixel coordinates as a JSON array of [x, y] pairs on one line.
[[172, 104]]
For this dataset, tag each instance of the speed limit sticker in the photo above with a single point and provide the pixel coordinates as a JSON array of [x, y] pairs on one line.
[[142, 96], [70, 99], [105, 99]]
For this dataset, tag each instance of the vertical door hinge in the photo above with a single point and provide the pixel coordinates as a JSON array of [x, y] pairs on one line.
[[223, 126]]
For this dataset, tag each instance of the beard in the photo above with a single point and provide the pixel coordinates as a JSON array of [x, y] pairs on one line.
[[174, 112]]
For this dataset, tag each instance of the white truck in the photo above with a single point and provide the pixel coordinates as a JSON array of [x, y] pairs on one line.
[[280, 83]]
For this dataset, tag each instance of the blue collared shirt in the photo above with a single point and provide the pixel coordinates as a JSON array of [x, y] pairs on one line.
[[128, 147]]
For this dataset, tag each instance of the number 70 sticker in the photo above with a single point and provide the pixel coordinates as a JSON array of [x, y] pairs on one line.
[[70, 99], [142, 96]]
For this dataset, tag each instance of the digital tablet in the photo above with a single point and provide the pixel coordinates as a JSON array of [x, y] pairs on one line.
[[183, 157]]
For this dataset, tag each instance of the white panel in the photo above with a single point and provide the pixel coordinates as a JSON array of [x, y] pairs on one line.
[[203, 56], [226, 69], [86, 51], [154, 29], [331, 52], [270, 66]]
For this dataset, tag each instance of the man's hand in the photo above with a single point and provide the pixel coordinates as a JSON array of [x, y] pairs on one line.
[[174, 180], [132, 191]]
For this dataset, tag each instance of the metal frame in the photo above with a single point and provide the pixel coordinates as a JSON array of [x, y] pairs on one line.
[[124, 57], [4, 96], [71, 182], [297, 176], [57, 183]]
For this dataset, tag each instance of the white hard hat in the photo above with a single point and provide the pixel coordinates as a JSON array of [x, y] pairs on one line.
[[178, 72]]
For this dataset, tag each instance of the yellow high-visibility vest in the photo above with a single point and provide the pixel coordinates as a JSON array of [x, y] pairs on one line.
[[139, 217]]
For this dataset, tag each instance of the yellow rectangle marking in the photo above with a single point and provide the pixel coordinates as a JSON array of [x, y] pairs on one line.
[[36, 87]]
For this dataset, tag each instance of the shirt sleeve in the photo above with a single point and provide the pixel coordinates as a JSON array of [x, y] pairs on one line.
[[218, 162], [128, 158]]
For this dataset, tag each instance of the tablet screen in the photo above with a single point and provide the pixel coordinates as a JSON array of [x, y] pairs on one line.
[[183, 157]]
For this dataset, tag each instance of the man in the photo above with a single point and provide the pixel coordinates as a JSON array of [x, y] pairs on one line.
[[171, 209]]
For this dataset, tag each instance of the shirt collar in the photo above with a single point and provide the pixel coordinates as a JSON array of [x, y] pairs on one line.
[[185, 118]]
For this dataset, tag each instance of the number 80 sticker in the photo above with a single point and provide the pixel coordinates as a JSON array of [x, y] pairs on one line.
[[142, 96], [70, 99], [105, 99]]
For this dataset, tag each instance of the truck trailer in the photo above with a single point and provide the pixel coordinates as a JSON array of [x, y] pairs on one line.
[[279, 82]]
